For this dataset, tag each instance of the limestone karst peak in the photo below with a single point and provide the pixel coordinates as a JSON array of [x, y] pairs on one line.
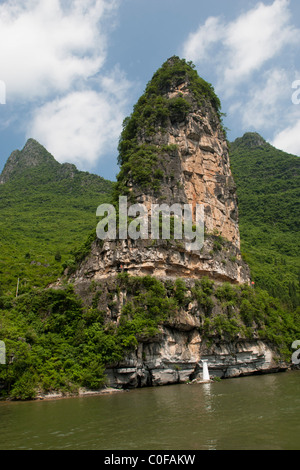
[[173, 150], [178, 74]]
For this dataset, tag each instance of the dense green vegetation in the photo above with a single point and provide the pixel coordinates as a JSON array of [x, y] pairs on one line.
[[47, 211], [268, 187], [55, 343]]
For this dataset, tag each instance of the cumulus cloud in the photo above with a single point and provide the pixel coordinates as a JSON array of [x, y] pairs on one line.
[[244, 45], [199, 44], [251, 61], [263, 104], [256, 37], [53, 56], [288, 139], [46, 45], [83, 126]]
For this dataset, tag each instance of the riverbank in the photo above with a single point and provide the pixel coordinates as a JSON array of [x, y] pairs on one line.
[[82, 393], [108, 390]]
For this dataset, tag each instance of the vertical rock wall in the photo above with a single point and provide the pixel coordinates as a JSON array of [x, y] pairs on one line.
[[182, 159]]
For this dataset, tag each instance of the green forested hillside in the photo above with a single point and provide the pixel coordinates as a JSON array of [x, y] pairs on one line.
[[47, 210], [268, 187], [54, 342]]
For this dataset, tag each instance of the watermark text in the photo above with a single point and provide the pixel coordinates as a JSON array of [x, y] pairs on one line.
[[296, 354], [2, 353], [296, 94], [178, 222]]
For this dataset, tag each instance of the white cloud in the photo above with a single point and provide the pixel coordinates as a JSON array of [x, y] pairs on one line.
[[52, 56], [198, 44], [288, 139], [262, 106], [244, 45], [45, 45], [251, 61], [83, 126], [256, 37]]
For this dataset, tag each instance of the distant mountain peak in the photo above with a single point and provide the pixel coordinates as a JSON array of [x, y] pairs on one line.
[[32, 155], [32, 142], [251, 140], [34, 167]]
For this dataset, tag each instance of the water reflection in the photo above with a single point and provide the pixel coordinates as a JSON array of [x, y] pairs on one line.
[[208, 396]]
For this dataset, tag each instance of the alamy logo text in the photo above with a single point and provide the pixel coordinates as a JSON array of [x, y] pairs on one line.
[[186, 222]]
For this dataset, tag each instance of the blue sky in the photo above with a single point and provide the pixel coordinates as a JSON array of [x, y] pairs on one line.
[[73, 69]]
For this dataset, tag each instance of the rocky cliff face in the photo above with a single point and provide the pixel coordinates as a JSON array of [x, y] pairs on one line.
[[172, 352], [176, 358], [177, 124], [173, 150], [195, 167], [221, 261]]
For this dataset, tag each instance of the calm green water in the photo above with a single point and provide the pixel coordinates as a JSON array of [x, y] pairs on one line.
[[261, 412]]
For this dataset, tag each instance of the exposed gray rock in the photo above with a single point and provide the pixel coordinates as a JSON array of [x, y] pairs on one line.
[[177, 359], [163, 259]]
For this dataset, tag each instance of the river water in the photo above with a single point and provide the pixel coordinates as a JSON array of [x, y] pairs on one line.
[[255, 413]]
